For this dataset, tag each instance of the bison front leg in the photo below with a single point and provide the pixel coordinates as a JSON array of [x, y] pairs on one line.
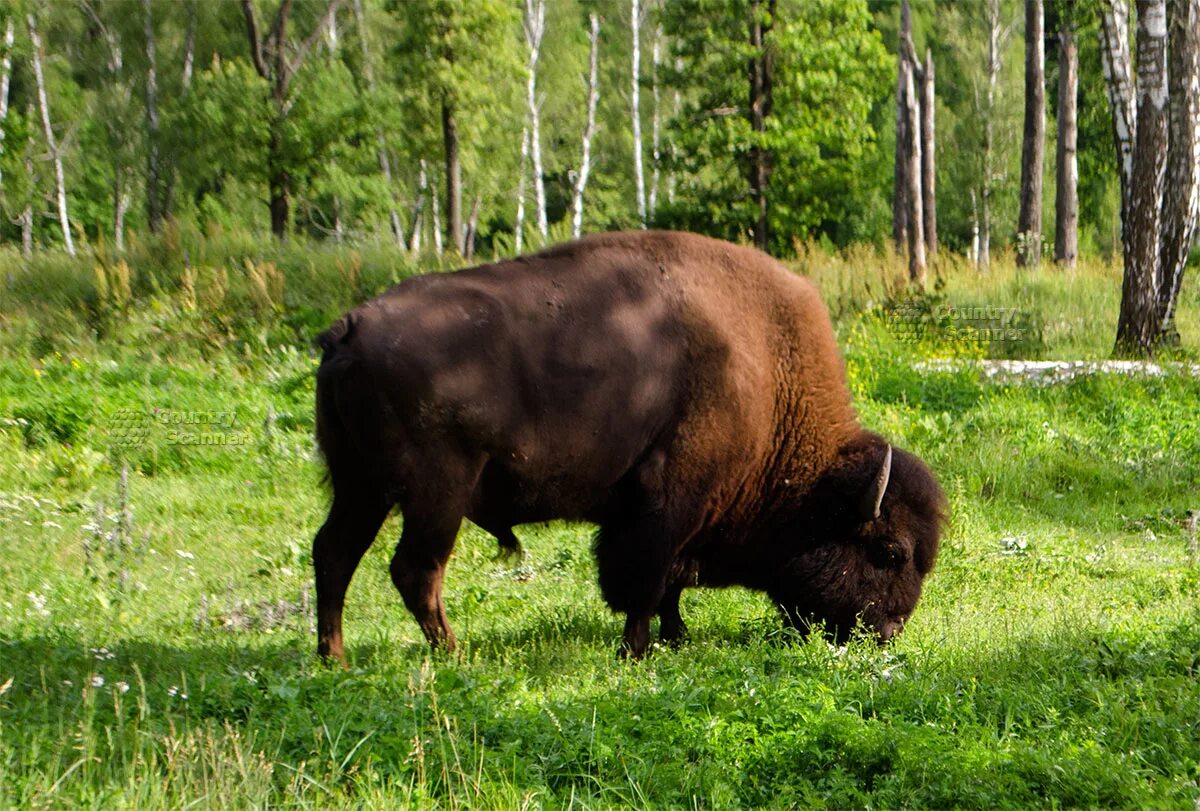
[[351, 526], [635, 564]]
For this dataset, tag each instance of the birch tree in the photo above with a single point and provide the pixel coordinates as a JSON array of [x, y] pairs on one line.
[[998, 34], [381, 150], [1181, 206], [1033, 146], [60, 183], [115, 109], [915, 200], [915, 184], [761, 71], [1066, 163], [522, 171], [154, 179], [589, 130], [1156, 124], [635, 84], [277, 58], [535, 29], [655, 125], [900, 172], [929, 156], [5, 78]]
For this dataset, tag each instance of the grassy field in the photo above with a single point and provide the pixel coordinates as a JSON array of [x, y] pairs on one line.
[[156, 641]]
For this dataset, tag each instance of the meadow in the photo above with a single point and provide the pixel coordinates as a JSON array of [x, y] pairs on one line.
[[159, 492]]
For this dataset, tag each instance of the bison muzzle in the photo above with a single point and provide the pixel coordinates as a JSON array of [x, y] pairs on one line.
[[684, 394]]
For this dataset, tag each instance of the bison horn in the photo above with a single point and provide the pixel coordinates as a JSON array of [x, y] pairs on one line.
[[879, 486]]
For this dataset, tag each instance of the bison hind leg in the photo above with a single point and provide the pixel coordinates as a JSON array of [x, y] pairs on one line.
[[509, 546]]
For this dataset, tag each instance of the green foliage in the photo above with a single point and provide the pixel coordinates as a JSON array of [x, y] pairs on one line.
[[830, 69]]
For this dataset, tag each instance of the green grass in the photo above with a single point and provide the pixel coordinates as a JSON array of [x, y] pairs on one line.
[[1054, 660]]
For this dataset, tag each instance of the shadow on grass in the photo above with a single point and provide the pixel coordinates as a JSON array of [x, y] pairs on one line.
[[1094, 717]]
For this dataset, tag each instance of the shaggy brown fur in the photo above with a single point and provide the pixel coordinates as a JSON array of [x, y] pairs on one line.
[[684, 394]]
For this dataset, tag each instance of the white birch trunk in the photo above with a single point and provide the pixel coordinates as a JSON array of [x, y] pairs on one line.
[[27, 211], [414, 245], [154, 186], [1181, 206], [535, 27], [676, 105], [639, 178], [916, 216], [189, 48], [519, 225], [385, 162], [120, 206], [1118, 82], [589, 130], [5, 77], [996, 37], [437, 219], [655, 127], [60, 183]]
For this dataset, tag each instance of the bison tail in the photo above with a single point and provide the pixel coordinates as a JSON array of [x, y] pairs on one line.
[[335, 363]]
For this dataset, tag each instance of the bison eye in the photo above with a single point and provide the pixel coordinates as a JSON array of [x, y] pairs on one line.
[[892, 553]]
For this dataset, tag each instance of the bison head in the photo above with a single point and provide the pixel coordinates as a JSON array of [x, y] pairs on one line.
[[864, 538]]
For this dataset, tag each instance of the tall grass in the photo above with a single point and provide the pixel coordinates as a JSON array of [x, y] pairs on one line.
[[216, 289]]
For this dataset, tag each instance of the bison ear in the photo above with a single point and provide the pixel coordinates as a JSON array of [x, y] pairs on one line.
[[873, 498]]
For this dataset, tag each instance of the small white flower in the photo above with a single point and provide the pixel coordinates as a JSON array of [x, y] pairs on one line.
[[97, 681], [172, 691], [122, 687], [183, 553]]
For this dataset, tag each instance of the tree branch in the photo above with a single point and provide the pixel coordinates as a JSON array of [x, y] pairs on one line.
[[308, 43], [256, 54]]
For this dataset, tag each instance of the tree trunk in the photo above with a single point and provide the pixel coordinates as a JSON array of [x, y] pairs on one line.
[[5, 78], [189, 48], [761, 70], [929, 157], [589, 130], [1033, 146], [414, 245], [639, 178], [1066, 198], [437, 218], [1138, 323], [385, 162], [1181, 203], [900, 212], [535, 28], [60, 183], [279, 183], [973, 256], [655, 128], [120, 206], [154, 207], [995, 41], [454, 221], [915, 201], [1118, 82], [472, 226], [27, 210], [277, 59], [519, 225]]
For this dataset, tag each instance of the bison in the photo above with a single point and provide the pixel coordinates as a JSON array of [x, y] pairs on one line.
[[684, 394]]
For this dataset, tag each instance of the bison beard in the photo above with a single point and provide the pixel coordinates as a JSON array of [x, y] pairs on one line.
[[684, 394]]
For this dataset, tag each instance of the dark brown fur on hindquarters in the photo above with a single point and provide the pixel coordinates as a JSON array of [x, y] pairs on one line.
[[684, 394]]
